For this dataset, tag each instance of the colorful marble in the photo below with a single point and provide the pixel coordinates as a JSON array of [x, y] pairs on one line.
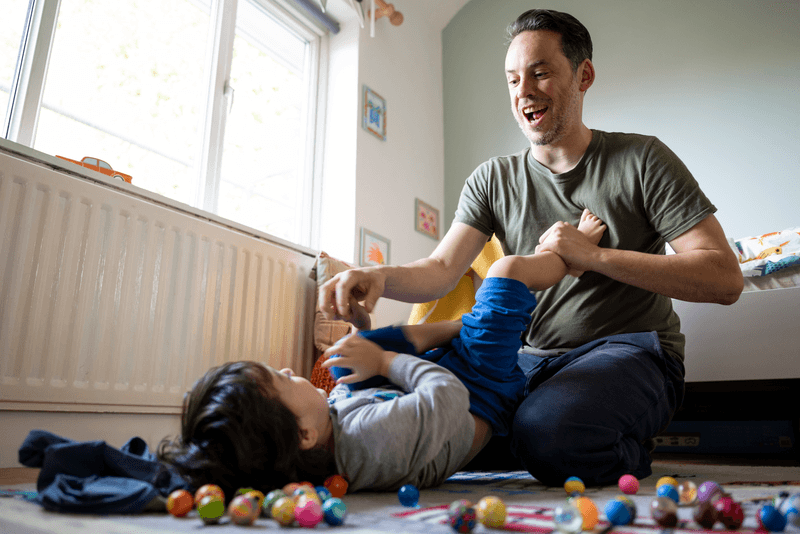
[[491, 512]]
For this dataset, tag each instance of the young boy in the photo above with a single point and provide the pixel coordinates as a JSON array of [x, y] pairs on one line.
[[245, 424]]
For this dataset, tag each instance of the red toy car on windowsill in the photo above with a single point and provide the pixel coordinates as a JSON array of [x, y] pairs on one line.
[[100, 166]]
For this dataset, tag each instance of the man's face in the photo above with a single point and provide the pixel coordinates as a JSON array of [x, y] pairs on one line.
[[544, 90]]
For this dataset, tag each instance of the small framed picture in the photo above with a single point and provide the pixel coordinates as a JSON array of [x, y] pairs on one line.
[[374, 249], [374, 119], [426, 219]]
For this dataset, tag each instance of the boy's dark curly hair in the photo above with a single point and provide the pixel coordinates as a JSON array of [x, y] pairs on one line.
[[236, 433]]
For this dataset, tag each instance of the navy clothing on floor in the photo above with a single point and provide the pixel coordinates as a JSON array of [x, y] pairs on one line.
[[484, 356], [93, 477]]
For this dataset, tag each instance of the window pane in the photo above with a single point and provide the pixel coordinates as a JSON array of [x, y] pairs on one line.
[[264, 161], [12, 22], [126, 84]]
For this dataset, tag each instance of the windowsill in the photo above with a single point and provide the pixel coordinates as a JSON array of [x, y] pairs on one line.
[[60, 165]]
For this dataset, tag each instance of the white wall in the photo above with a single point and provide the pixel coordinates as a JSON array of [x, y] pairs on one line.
[[717, 81], [403, 64]]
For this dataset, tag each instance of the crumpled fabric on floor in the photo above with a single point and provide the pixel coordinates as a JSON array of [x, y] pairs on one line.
[[93, 477]]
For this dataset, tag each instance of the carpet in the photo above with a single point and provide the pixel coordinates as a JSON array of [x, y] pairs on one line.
[[529, 504]]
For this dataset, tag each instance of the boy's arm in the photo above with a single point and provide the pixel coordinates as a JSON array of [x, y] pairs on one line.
[[427, 336]]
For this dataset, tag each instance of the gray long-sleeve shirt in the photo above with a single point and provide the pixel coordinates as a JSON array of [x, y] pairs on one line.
[[419, 434]]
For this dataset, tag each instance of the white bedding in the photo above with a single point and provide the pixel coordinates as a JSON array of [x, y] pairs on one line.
[[769, 261]]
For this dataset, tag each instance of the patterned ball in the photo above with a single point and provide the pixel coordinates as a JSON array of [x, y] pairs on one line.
[[290, 488], [491, 512], [790, 507], [208, 489], [664, 512], [671, 492], [708, 491], [706, 515], [629, 504], [323, 493], [334, 511], [628, 484], [337, 485], [211, 508], [567, 519], [667, 480], [180, 502], [729, 512], [283, 511], [618, 513], [687, 493], [306, 492], [574, 485], [308, 512], [771, 519], [588, 511], [461, 516], [243, 510], [269, 500], [257, 496], [408, 495]]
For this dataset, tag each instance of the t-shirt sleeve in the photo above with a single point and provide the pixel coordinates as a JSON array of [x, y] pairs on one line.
[[673, 199], [474, 205]]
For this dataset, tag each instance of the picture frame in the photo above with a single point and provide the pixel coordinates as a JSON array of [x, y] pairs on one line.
[[374, 113], [375, 249], [426, 219]]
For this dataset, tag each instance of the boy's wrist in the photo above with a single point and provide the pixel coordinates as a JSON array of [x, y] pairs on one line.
[[386, 362]]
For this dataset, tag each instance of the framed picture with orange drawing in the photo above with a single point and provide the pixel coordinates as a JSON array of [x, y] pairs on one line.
[[374, 249]]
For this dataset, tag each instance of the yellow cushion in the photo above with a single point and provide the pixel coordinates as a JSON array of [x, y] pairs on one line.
[[461, 299]]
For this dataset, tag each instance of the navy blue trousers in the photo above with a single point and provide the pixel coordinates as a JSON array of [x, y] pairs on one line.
[[588, 412]]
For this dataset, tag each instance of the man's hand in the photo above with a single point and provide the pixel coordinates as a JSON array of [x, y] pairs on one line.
[[363, 357], [356, 285], [574, 247]]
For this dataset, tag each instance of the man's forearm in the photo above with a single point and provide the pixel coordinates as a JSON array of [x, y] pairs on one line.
[[420, 281], [694, 276]]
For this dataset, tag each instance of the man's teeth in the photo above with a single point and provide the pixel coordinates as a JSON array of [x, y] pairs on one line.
[[532, 113]]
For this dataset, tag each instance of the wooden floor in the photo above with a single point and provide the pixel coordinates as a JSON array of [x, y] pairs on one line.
[[18, 475]]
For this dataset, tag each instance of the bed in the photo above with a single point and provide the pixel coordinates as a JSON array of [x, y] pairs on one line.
[[743, 360], [758, 337]]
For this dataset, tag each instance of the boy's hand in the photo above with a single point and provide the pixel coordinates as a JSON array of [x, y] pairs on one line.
[[363, 357]]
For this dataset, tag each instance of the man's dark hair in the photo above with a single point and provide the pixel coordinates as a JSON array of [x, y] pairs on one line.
[[236, 433], [576, 43]]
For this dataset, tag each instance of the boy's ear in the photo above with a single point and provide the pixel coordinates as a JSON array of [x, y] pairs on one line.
[[308, 438]]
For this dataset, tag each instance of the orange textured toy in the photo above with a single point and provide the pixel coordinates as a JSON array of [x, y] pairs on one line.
[[180, 503]]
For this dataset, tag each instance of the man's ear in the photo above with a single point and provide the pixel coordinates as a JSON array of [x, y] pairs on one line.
[[586, 74], [308, 438]]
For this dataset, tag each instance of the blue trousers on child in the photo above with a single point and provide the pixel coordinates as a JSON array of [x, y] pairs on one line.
[[484, 356]]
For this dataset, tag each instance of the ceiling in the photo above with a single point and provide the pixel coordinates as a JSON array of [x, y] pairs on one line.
[[440, 11]]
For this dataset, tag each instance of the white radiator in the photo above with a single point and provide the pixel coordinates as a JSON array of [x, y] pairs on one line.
[[117, 301]]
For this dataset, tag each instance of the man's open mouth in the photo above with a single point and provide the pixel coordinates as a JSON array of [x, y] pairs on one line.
[[534, 113]]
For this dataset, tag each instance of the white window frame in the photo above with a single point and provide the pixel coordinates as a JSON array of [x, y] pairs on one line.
[[27, 88]]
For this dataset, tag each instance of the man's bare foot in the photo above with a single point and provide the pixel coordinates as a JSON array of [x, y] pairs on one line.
[[591, 226]]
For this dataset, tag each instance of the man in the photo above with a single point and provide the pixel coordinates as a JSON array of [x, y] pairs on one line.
[[604, 352]]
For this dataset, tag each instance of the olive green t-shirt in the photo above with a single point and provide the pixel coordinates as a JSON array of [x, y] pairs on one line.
[[642, 192]]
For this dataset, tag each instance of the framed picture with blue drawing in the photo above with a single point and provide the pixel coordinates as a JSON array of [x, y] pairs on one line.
[[374, 118]]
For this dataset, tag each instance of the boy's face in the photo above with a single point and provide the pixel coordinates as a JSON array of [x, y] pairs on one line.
[[308, 403]]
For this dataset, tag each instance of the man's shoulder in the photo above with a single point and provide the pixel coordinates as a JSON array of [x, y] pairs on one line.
[[504, 163], [625, 139]]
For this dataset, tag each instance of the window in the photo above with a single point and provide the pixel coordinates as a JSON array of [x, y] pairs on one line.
[[210, 109]]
